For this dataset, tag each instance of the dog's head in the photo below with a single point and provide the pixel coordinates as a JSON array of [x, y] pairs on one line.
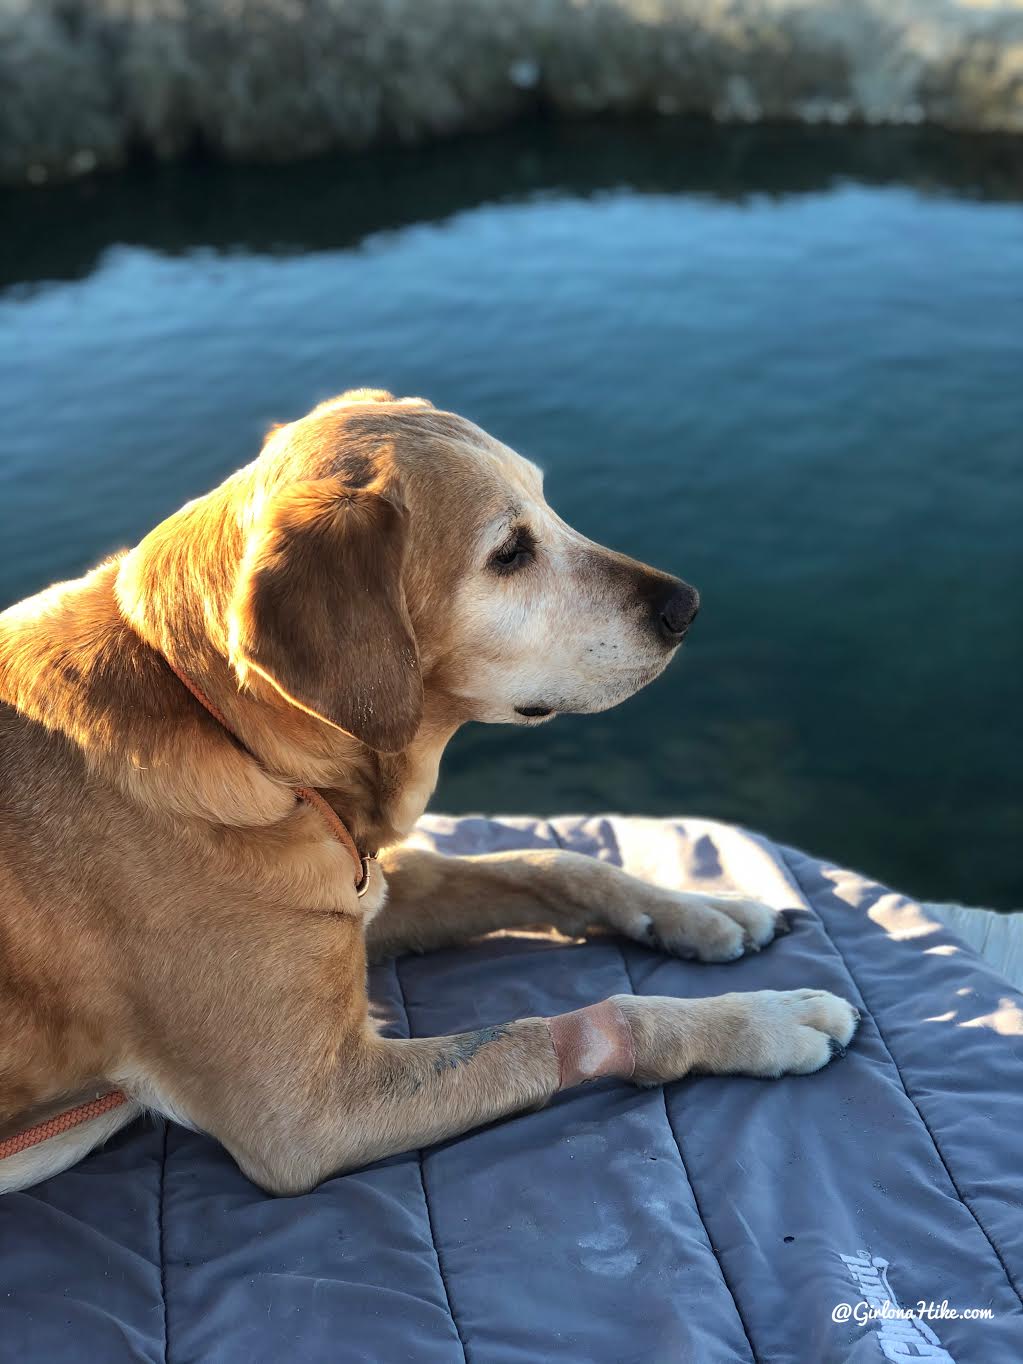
[[394, 554]]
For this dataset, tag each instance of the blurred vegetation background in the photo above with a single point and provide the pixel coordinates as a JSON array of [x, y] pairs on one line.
[[87, 84]]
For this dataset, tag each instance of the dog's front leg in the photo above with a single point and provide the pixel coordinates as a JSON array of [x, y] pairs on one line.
[[391, 1096], [436, 901]]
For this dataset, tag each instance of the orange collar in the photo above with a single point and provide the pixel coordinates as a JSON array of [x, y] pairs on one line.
[[312, 797]]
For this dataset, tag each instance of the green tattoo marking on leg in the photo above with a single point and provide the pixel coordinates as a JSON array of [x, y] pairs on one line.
[[464, 1048]]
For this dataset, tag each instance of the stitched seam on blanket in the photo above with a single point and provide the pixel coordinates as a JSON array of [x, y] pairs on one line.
[[426, 1198], [808, 901], [696, 1202], [160, 1208], [610, 835]]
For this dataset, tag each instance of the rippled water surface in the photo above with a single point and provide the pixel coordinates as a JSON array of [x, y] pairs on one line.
[[787, 365]]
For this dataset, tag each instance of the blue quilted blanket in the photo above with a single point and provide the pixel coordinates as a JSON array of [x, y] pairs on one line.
[[714, 1220]]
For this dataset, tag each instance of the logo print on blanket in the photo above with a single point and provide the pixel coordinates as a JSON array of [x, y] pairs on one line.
[[900, 1337]]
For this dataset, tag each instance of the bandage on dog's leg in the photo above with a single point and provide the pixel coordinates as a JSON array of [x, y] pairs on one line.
[[592, 1042]]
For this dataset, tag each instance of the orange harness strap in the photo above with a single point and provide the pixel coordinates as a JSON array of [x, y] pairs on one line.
[[64, 1122]]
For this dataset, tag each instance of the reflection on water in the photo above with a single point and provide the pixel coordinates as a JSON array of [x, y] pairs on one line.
[[782, 363]]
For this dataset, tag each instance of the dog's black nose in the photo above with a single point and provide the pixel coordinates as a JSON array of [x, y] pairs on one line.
[[677, 611]]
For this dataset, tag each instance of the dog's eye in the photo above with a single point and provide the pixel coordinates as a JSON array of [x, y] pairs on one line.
[[514, 554]]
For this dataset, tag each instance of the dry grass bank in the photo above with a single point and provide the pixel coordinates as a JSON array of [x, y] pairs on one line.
[[85, 83]]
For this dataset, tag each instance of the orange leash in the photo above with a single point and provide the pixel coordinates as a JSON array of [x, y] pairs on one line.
[[94, 1108], [63, 1122]]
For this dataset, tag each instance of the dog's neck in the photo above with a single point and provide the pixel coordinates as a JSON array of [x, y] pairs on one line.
[[88, 659], [175, 588]]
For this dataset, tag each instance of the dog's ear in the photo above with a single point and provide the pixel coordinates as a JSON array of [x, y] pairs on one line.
[[319, 610]]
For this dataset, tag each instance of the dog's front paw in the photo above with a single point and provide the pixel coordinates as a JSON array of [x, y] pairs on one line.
[[782, 1032], [766, 1033], [711, 928]]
